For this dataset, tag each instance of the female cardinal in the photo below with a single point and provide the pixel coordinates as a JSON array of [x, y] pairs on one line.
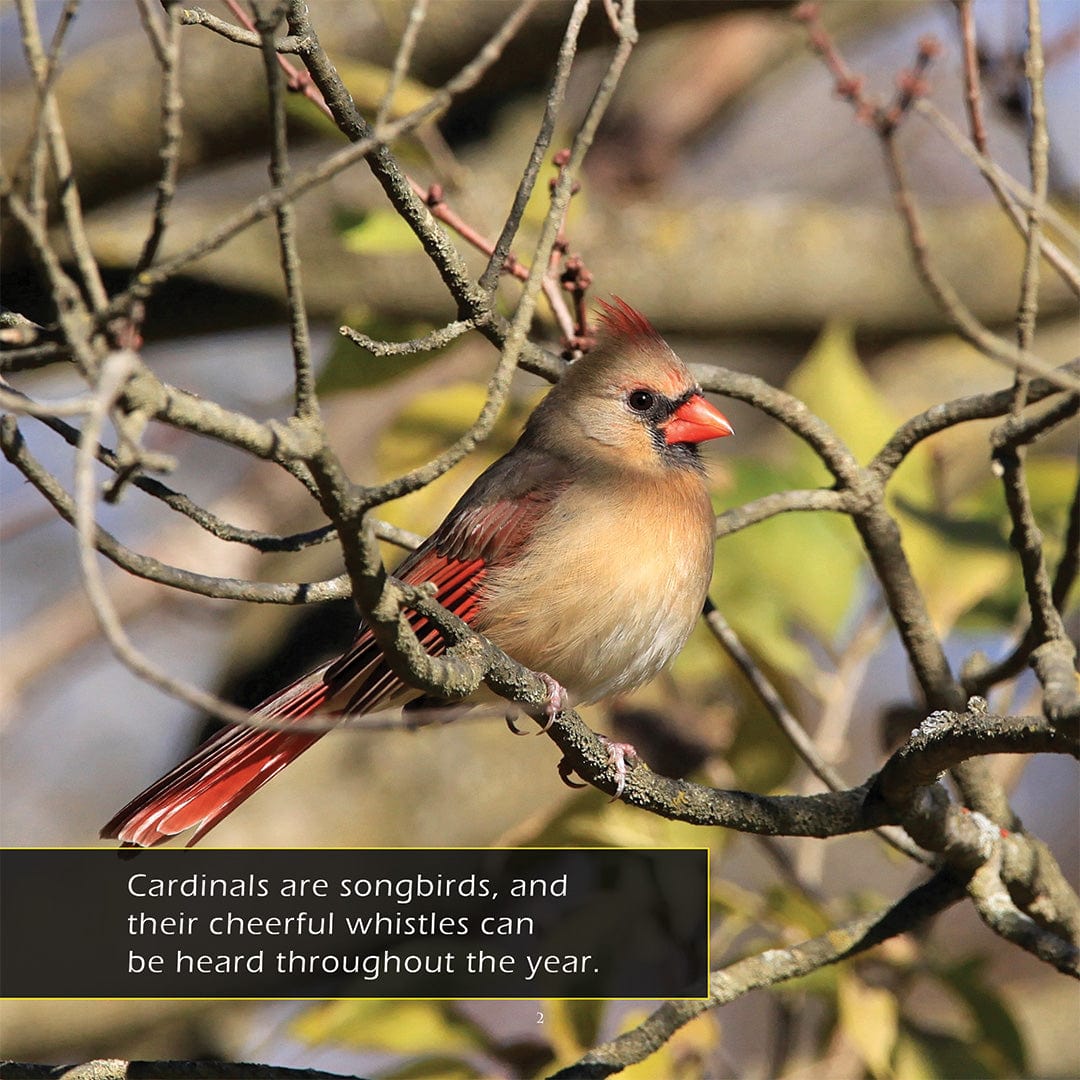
[[584, 553]]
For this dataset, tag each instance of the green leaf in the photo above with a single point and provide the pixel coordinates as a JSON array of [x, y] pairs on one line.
[[759, 755], [350, 367], [795, 909], [380, 232], [998, 1031], [946, 1056], [791, 571]]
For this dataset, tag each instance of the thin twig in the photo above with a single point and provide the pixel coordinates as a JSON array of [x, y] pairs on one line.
[[143, 566], [793, 730], [115, 370], [967, 325], [436, 339], [236, 34], [406, 48], [948, 414], [306, 402], [972, 83], [167, 48], [789, 725], [500, 251], [1038, 158], [70, 202], [779, 502], [1011, 194]]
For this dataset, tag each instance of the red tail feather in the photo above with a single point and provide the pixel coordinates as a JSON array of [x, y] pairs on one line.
[[225, 771]]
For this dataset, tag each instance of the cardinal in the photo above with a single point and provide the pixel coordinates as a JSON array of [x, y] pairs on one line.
[[584, 553]]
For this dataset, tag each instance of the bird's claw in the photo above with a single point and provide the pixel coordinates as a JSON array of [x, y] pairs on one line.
[[566, 767], [511, 723], [618, 754], [557, 699]]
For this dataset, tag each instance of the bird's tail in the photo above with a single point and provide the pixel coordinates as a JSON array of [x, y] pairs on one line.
[[224, 771]]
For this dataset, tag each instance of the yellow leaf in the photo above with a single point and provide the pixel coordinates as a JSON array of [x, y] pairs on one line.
[[870, 1018], [427, 426], [571, 1026], [834, 385], [911, 1061]]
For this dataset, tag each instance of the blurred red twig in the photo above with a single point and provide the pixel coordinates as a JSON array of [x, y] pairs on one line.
[[910, 82]]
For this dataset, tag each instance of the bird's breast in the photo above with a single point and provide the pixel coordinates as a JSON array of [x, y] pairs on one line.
[[608, 588]]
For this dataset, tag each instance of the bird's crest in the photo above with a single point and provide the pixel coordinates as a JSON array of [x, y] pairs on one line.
[[622, 321]]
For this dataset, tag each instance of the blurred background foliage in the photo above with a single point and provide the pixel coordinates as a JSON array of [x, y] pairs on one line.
[[737, 203]]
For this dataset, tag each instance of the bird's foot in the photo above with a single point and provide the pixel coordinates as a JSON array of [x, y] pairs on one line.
[[557, 699], [618, 754]]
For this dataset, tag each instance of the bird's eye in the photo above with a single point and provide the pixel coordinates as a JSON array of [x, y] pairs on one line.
[[641, 400]]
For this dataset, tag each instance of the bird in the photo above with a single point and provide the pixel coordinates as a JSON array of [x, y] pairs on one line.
[[585, 553]]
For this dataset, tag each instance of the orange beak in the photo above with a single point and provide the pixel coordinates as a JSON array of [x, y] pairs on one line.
[[694, 421]]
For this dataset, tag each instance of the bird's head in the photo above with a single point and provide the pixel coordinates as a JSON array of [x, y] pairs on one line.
[[630, 400]]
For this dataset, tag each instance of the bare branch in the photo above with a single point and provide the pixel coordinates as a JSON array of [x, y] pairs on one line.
[[70, 203], [406, 47], [143, 566], [238, 34], [788, 723], [996, 908], [950, 413], [767, 969], [116, 369], [307, 404], [167, 47]]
